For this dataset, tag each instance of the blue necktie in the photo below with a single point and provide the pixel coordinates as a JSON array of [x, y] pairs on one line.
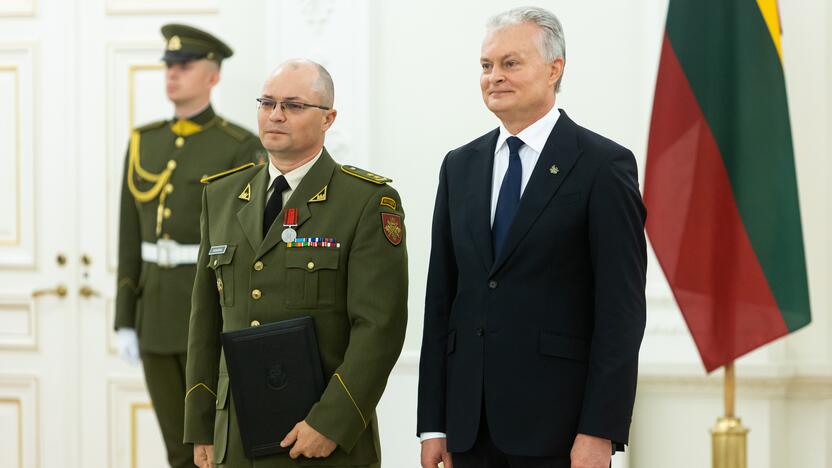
[[509, 197]]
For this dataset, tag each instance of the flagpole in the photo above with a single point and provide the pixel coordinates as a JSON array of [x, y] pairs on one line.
[[728, 437], [730, 389]]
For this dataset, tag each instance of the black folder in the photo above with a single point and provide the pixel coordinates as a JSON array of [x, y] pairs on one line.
[[276, 376]]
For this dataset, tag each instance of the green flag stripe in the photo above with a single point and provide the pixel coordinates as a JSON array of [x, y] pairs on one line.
[[728, 56]]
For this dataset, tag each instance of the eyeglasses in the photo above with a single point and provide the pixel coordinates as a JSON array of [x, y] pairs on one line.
[[293, 107]]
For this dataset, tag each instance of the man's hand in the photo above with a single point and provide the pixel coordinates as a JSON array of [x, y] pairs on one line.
[[308, 442], [204, 456], [435, 451], [591, 452]]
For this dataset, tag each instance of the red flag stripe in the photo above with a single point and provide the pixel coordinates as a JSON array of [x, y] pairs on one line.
[[696, 229]]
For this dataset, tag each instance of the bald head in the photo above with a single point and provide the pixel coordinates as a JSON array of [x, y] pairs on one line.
[[295, 133], [318, 78]]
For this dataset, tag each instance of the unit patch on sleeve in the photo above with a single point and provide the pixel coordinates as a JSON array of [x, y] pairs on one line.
[[392, 226]]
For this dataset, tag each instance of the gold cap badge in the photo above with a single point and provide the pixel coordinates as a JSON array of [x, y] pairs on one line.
[[174, 43]]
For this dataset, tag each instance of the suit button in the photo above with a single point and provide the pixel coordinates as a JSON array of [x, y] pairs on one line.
[[258, 266], [310, 265], [479, 332], [255, 323], [492, 284], [256, 294]]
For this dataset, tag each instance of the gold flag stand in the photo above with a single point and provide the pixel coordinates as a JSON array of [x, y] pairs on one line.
[[728, 437]]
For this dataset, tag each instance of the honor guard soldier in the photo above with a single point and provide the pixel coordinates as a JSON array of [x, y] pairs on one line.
[[302, 236], [159, 221]]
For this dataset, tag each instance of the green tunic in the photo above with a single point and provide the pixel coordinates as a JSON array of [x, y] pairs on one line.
[[356, 292]]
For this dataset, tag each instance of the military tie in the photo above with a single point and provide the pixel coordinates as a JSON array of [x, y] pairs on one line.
[[509, 197], [275, 203]]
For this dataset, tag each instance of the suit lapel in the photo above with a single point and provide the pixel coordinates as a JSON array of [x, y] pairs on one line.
[[481, 177], [561, 150], [251, 214], [312, 183]]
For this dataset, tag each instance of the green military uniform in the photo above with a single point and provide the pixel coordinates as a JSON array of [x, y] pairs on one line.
[[159, 237], [356, 291]]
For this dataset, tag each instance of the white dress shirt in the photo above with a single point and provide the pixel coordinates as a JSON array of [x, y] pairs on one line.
[[534, 136], [293, 177]]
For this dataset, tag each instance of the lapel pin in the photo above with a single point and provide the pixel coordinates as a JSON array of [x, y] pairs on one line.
[[319, 197], [246, 195], [554, 169]]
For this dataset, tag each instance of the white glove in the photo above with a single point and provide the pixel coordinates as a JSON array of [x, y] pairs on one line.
[[128, 345]]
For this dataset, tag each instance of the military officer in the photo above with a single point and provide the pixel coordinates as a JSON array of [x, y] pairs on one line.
[[301, 236], [159, 221]]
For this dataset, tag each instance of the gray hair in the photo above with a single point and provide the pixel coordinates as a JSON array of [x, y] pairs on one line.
[[551, 42], [323, 84]]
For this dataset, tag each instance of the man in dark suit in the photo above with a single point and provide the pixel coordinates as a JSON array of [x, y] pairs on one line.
[[535, 304]]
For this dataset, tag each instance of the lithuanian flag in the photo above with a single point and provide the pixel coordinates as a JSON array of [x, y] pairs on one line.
[[720, 188]]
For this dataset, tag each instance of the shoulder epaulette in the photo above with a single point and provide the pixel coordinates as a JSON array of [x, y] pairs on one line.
[[365, 175], [236, 132], [151, 126], [220, 175]]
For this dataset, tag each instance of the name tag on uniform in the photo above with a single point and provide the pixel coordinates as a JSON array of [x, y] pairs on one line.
[[217, 249]]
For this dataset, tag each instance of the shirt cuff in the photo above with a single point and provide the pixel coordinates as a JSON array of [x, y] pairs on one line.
[[432, 435]]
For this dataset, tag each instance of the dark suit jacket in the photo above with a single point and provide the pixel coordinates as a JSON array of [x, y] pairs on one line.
[[546, 336]]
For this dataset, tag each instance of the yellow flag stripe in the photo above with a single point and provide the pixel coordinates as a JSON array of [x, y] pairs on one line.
[[771, 15]]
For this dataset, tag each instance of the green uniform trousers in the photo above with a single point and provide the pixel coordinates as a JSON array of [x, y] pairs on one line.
[[165, 377]]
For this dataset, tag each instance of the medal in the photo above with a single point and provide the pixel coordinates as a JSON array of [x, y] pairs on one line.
[[290, 220], [288, 235]]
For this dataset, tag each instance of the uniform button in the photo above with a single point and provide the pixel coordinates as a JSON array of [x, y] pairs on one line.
[[492, 284], [169, 187], [310, 265], [180, 142], [255, 323], [256, 294], [479, 332], [171, 164], [166, 236], [167, 213], [258, 265]]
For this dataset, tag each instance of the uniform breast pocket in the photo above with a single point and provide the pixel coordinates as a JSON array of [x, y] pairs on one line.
[[223, 266], [311, 275]]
